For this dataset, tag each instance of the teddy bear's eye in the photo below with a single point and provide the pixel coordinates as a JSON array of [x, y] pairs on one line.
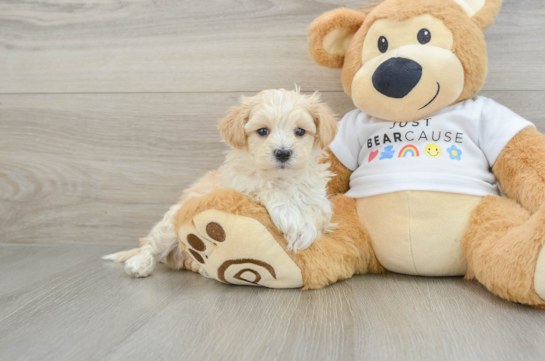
[[383, 44], [424, 36]]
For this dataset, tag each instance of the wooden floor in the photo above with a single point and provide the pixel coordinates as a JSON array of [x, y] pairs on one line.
[[60, 302], [107, 111]]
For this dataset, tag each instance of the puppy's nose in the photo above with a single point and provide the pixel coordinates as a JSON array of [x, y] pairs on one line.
[[396, 77], [282, 155]]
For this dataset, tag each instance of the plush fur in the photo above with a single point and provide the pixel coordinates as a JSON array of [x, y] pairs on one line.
[[337, 19], [329, 259], [520, 169], [342, 254], [502, 243], [504, 239], [488, 14], [340, 183], [293, 192], [469, 45]]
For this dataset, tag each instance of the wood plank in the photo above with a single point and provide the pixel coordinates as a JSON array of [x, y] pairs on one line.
[[102, 168], [442, 319], [195, 46], [63, 303], [30, 271]]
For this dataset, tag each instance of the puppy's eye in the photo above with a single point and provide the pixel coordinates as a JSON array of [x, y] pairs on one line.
[[424, 36], [299, 132], [263, 132], [382, 44]]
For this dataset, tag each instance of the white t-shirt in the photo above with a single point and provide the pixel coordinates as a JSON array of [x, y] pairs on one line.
[[452, 150]]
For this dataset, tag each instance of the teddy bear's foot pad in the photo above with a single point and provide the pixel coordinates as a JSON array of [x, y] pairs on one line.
[[238, 250]]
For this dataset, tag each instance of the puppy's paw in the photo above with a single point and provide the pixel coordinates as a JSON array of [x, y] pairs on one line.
[[179, 260], [289, 221], [140, 265], [191, 265], [306, 235]]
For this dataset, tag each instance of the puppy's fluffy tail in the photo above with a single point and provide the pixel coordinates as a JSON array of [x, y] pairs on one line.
[[122, 256]]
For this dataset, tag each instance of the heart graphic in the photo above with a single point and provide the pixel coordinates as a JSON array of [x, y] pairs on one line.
[[373, 155]]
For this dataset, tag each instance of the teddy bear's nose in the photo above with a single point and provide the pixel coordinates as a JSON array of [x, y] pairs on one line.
[[396, 77]]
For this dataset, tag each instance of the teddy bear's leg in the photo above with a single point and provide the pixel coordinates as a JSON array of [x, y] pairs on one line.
[[234, 241], [341, 254], [502, 244]]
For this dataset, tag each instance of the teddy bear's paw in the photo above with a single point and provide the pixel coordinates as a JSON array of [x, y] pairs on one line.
[[238, 250]]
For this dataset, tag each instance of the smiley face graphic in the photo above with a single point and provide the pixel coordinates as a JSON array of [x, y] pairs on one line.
[[433, 150]]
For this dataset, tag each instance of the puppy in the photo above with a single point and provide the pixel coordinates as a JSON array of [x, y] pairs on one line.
[[277, 139]]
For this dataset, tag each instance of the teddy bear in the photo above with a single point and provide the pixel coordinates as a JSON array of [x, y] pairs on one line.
[[417, 166]]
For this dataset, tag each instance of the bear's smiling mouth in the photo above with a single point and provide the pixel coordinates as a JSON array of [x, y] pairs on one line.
[[431, 101]]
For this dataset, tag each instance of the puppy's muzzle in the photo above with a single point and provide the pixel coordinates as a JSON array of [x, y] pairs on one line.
[[282, 155]]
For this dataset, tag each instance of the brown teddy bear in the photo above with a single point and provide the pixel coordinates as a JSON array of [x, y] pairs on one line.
[[417, 165]]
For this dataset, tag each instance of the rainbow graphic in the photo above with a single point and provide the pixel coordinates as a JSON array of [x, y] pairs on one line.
[[409, 150]]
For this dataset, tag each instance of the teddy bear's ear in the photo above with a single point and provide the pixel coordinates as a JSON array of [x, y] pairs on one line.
[[483, 12], [330, 34]]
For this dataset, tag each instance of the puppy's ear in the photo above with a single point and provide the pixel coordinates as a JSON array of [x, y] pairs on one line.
[[326, 123], [330, 34], [483, 12], [232, 128]]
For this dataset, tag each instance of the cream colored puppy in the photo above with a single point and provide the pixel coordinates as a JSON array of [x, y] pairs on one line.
[[277, 139]]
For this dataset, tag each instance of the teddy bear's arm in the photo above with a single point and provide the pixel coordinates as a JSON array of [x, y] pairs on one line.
[[339, 184], [520, 168]]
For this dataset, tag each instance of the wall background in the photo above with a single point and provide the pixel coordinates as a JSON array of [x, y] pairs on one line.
[[107, 108]]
